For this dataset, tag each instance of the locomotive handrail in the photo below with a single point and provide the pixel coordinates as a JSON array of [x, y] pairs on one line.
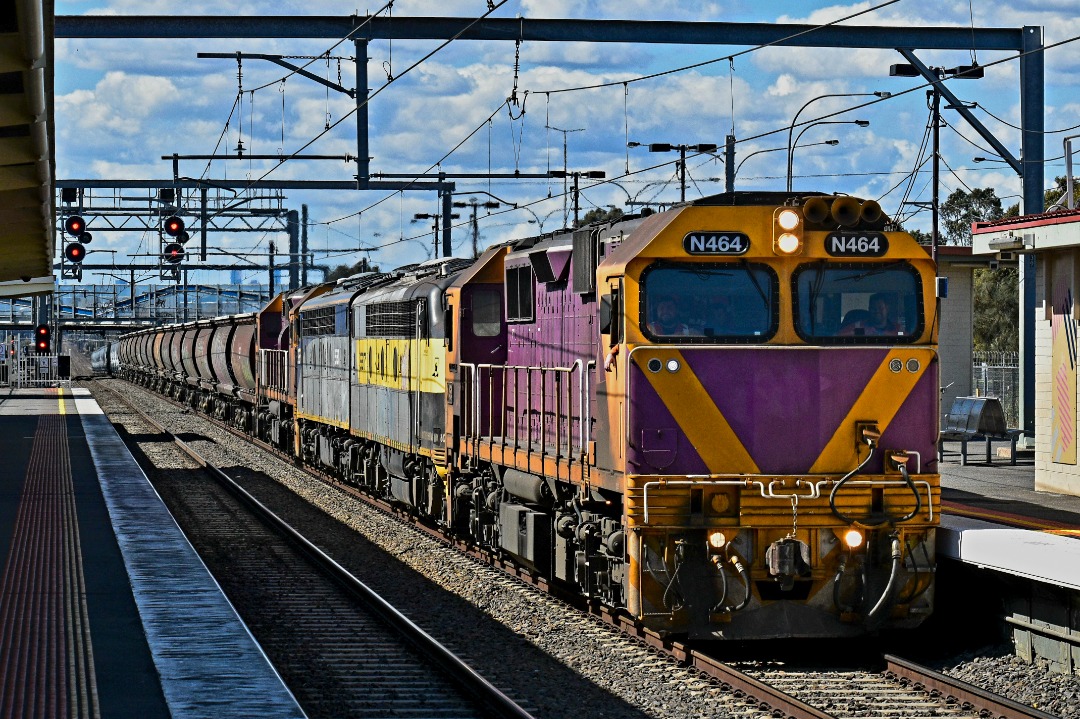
[[902, 483], [473, 372], [273, 374], [703, 482], [707, 480]]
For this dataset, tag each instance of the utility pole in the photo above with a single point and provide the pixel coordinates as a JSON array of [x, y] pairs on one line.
[[565, 174], [474, 225], [668, 147], [436, 217], [936, 116], [591, 174]]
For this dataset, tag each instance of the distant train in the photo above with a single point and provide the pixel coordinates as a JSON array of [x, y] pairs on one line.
[[105, 359], [720, 419]]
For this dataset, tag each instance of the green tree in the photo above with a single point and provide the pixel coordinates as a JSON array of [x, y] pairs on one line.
[[600, 214], [997, 309], [341, 271], [1055, 193], [962, 208], [996, 292]]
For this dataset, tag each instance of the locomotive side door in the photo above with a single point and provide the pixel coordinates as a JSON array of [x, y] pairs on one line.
[[606, 447]]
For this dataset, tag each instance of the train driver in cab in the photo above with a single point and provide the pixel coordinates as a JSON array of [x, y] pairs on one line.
[[664, 318], [879, 319]]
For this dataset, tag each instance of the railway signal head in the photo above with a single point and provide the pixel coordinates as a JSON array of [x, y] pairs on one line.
[[174, 253], [75, 252], [42, 339], [75, 225], [174, 227]]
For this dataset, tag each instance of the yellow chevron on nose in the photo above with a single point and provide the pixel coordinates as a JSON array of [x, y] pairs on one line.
[[879, 402], [696, 414]]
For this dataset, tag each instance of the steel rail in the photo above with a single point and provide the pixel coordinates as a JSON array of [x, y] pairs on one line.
[[475, 685], [982, 702], [782, 704]]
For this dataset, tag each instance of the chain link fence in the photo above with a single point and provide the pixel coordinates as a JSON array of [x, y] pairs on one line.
[[997, 374]]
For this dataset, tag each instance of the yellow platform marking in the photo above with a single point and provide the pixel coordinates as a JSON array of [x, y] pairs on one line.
[[880, 401], [701, 421], [60, 393]]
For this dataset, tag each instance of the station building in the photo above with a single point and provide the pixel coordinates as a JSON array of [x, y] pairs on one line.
[[1054, 239]]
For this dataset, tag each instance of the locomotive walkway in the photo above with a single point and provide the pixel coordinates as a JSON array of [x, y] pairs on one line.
[[105, 609]]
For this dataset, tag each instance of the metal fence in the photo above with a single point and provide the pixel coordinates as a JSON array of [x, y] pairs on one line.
[[33, 371], [997, 374]]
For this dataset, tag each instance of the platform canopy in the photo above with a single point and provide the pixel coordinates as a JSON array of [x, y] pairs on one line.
[[27, 140], [1028, 233]]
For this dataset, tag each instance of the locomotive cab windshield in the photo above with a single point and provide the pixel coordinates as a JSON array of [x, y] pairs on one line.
[[716, 302], [858, 303]]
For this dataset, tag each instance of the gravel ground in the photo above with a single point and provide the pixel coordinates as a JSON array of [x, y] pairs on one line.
[[999, 670], [550, 658]]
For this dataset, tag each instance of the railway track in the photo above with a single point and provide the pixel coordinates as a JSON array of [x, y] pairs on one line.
[[341, 648], [902, 690]]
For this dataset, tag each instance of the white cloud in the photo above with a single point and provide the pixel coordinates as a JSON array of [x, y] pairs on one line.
[[121, 105]]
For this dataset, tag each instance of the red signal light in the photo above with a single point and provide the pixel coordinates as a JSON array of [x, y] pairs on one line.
[[75, 225], [75, 253], [174, 252], [43, 341], [173, 226]]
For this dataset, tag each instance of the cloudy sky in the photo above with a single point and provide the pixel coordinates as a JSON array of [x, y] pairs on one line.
[[122, 104]]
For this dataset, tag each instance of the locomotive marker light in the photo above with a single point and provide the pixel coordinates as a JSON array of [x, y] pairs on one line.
[[673, 365], [853, 538], [717, 540], [788, 220]]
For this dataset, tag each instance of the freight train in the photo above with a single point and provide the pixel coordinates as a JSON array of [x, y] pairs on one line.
[[719, 419]]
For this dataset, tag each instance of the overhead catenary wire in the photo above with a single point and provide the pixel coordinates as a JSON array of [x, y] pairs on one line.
[[371, 96], [808, 121], [729, 58]]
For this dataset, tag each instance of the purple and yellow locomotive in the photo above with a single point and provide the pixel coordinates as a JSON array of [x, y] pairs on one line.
[[720, 418]]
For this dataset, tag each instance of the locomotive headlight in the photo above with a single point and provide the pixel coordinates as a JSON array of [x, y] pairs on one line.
[[853, 538], [787, 231], [717, 540], [673, 365], [788, 220], [788, 244]]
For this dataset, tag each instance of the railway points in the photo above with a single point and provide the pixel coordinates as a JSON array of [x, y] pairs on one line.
[[85, 539]]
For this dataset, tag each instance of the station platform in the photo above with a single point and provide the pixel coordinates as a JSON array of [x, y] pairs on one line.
[[105, 608], [993, 517]]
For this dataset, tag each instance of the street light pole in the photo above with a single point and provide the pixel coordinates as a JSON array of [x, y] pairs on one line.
[[795, 120], [964, 72], [564, 159], [792, 146]]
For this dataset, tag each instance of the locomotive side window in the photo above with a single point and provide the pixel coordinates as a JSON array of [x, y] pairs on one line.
[[722, 302], [858, 303], [486, 313], [519, 293]]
